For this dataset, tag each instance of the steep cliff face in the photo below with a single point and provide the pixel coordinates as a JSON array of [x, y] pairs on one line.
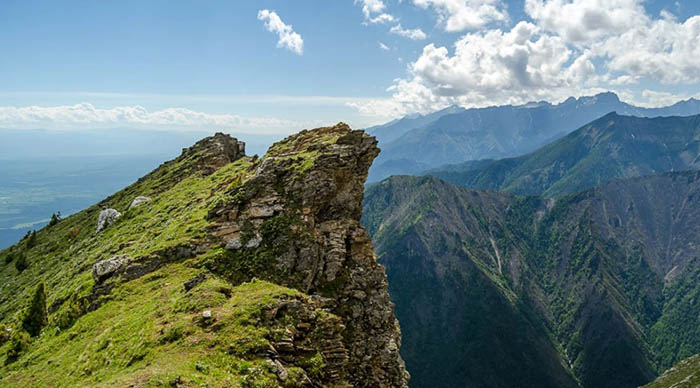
[[595, 289], [296, 222], [231, 271]]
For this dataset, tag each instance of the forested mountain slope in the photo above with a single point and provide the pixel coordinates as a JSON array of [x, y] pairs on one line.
[[598, 288], [608, 148]]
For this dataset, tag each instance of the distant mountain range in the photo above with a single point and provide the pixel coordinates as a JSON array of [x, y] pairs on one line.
[[610, 147], [417, 143], [598, 289]]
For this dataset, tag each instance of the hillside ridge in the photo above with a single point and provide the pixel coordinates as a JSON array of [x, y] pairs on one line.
[[610, 147], [219, 269]]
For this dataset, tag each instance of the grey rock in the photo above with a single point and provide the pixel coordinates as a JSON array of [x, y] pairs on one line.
[[254, 242], [107, 217], [194, 282], [139, 201], [327, 243], [236, 244], [107, 268]]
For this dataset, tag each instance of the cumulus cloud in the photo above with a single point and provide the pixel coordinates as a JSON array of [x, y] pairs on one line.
[[461, 15], [489, 68], [571, 48], [663, 50], [373, 11], [413, 34], [86, 116], [287, 37], [625, 37], [585, 21]]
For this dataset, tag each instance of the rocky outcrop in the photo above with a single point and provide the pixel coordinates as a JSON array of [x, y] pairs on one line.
[[318, 314], [133, 268], [296, 222], [214, 152], [109, 267], [313, 333], [139, 201], [106, 217]]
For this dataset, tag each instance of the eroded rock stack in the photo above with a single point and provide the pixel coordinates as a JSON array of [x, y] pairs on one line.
[[296, 222]]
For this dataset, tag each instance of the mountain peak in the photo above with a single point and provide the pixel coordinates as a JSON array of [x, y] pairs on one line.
[[218, 150], [600, 98]]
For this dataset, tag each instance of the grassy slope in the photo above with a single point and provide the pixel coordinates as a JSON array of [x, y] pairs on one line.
[[685, 374], [148, 331]]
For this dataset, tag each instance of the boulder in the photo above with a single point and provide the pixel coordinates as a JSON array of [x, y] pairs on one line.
[[105, 269], [236, 243], [139, 201], [107, 217]]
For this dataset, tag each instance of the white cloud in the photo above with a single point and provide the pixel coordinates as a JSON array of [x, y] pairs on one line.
[[663, 50], [627, 39], [382, 18], [461, 15], [654, 98], [585, 21], [383, 46], [287, 37], [490, 68], [373, 11], [86, 116], [572, 48], [413, 34]]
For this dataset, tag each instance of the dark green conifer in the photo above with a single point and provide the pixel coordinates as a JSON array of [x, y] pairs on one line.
[[31, 239], [19, 342], [55, 218], [36, 316], [21, 262]]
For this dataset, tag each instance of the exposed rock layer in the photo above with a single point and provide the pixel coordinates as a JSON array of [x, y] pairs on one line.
[[252, 269], [300, 215]]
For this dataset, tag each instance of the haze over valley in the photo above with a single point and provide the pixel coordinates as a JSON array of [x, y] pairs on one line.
[[350, 194]]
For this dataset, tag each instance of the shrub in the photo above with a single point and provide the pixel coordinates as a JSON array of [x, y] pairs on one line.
[[19, 342], [36, 316], [9, 257], [21, 262], [4, 334], [31, 239], [55, 218], [74, 309], [73, 234]]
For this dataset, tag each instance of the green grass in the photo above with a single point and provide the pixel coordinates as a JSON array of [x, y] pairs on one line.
[[685, 374], [149, 332], [152, 332]]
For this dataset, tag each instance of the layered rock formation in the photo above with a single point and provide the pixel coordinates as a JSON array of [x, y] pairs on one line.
[[239, 271], [297, 222]]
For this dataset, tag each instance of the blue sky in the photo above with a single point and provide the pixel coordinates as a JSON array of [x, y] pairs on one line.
[[190, 65]]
